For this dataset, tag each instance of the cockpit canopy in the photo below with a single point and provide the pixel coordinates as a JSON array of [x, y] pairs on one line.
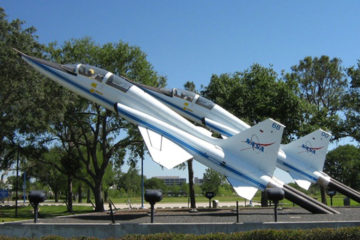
[[205, 102], [187, 95], [92, 72]]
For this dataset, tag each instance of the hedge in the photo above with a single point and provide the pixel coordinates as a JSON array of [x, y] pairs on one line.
[[350, 233]]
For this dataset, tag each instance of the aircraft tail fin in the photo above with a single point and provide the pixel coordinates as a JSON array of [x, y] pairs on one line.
[[310, 150], [258, 146]]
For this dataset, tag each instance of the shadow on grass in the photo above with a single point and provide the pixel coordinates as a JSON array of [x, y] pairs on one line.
[[26, 212]]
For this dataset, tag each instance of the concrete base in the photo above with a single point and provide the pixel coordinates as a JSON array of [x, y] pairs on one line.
[[32, 230]]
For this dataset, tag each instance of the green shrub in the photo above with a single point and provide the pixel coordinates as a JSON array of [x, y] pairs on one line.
[[308, 234], [350, 233]]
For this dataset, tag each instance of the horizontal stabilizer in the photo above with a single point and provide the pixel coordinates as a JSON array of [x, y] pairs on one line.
[[309, 151], [258, 146], [162, 150], [242, 189]]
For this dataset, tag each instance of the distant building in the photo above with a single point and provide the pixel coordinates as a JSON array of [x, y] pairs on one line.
[[172, 180], [198, 181]]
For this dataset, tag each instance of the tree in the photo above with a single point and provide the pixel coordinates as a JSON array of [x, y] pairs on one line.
[[64, 167], [27, 103], [351, 104], [321, 82], [211, 181], [155, 183], [50, 176], [343, 164], [130, 182], [256, 94]]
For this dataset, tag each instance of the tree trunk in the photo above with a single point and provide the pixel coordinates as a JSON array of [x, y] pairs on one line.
[[323, 195], [56, 196], [88, 196], [191, 184], [80, 194], [69, 194], [99, 203]]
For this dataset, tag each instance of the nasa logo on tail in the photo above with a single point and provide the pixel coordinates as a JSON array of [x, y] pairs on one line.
[[255, 144], [310, 149]]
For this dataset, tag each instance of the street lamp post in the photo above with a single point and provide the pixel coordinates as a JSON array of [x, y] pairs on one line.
[[142, 182], [17, 183]]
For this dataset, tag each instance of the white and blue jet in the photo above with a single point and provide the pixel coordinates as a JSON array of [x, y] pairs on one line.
[[303, 158], [247, 159]]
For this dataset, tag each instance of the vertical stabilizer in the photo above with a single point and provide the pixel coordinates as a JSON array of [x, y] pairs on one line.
[[309, 151], [258, 146]]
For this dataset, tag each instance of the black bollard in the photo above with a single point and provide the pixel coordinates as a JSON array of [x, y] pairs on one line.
[[275, 194], [153, 196], [36, 197], [209, 195], [331, 194]]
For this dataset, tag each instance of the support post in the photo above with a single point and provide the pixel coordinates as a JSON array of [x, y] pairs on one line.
[[275, 210], [24, 187], [36, 212], [237, 211], [152, 213], [17, 183], [111, 214], [142, 183]]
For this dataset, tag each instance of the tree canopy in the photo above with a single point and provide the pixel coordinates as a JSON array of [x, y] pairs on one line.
[[26, 105], [322, 83], [343, 164], [211, 181], [256, 94]]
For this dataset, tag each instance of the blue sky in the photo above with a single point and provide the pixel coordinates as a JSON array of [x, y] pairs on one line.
[[189, 40]]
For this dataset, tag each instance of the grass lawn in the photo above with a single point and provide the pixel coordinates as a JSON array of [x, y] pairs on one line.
[[167, 199], [337, 200], [7, 214]]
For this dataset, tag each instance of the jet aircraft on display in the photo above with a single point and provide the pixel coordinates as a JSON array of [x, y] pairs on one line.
[[303, 158], [248, 159]]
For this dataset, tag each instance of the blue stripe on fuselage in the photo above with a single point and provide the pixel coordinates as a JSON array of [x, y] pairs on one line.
[[152, 127], [297, 170]]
